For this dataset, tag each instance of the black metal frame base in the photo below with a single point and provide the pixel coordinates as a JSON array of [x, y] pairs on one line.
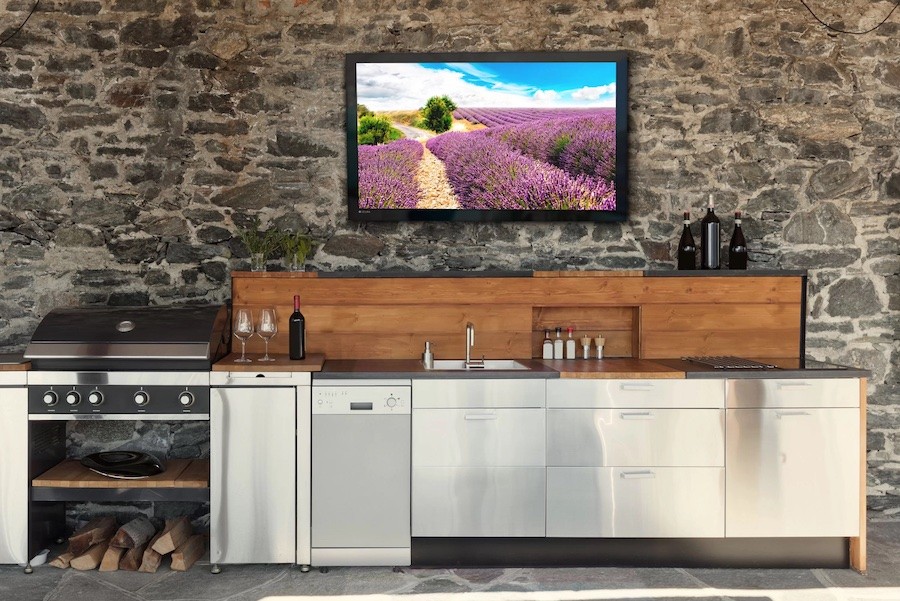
[[632, 552]]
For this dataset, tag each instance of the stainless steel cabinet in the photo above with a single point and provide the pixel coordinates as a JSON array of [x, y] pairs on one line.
[[627, 502], [635, 394], [255, 503], [793, 470], [13, 470], [478, 458]]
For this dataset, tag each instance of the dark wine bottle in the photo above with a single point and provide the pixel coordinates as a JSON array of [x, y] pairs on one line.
[[710, 238], [687, 250], [737, 248], [297, 332]]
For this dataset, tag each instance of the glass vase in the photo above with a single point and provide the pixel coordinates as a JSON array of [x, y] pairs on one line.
[[294, 263], [258, 262]]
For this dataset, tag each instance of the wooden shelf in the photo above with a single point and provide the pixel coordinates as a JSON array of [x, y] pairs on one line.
[[180, 473]]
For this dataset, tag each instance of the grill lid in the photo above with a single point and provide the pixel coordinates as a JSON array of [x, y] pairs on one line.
[[154, 337]]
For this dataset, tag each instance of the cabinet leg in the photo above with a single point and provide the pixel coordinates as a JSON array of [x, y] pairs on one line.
[[323, 570], [215, 569], [28, 568], [397, 569], [304, 568]]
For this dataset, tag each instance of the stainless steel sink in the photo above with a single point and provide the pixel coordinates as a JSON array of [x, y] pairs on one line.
[[488, 364]]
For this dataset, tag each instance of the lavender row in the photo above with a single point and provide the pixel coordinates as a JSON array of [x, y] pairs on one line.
[[579, 145], [387, 175], [487, 175], [492, 117]]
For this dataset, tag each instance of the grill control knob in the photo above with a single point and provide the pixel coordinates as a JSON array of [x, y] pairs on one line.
[[141, 398], [186, 398], [391, 401], [95, 397], [50, 398], [73, 398]]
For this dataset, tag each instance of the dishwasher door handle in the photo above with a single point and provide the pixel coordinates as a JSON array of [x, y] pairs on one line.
[[480, 416]]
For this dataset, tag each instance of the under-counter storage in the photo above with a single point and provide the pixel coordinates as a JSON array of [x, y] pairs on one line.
[[635, 394], [633, 502], [13, 470], [478, 456], [792, 457]]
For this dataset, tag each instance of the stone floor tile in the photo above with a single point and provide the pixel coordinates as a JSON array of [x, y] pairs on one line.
[[15, 584], [78, 585], [198, 583], [548, 579], [440, 585], [753, 578]]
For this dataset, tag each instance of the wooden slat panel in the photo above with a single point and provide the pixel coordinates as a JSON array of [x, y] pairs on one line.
[[710, 317], [195, 475], [745, 343], [583, 318]]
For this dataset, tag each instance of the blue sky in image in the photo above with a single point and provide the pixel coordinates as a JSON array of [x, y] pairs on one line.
[[407, 86]]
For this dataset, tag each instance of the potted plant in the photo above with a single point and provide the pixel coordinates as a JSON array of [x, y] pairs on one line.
[[258, 243], [296, 248]]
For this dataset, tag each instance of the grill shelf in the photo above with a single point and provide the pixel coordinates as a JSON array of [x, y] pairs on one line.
[[729, 362]]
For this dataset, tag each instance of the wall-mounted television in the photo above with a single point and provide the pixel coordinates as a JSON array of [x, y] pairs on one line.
[[500, 136]]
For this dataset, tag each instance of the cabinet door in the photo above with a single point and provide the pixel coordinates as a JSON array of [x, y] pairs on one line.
[[252, 475], [633, 394], [654, 502], [478, 437], [792, 472], [13, 476], [635, 437], [478, 501], [467, 392]]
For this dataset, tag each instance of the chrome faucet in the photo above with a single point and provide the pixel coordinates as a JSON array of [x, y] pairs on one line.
[[470, 342]]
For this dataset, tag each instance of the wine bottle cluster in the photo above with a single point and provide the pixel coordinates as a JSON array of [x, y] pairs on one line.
[[711, 242]]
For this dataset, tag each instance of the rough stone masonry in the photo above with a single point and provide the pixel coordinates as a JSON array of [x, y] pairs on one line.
[[136, 135]]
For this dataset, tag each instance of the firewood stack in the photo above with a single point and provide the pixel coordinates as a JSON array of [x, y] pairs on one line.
[[136, 546]]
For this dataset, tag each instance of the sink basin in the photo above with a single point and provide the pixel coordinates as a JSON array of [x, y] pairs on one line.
[[489, 365]]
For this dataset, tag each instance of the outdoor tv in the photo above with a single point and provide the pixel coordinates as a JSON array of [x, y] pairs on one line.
[[501, 136]]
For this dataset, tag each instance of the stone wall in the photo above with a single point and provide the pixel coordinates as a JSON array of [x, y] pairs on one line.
[[136, 135]]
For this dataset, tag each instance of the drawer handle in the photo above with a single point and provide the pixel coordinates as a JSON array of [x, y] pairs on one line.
[[636, 415], [781, 385], [780, 414], [636, 387], [480, 416], [637, 475]]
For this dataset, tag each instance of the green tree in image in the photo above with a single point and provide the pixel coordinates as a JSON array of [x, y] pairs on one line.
[[376, 130], [437, 115]]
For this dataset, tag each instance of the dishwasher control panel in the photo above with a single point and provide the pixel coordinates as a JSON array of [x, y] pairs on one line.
[[361, 400]]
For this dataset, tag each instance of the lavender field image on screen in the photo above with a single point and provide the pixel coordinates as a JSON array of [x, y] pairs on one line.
[[487, 136]]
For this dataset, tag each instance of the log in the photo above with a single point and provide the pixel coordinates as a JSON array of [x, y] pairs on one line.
[[92, 558], [133, 558], [133, 534], [188, 553], [151, 559], [95, 531], [110, 561], [175, 533], [62, 560]]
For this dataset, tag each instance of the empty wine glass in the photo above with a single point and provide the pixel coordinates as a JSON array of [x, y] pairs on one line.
[[243, 329], [267, 328]]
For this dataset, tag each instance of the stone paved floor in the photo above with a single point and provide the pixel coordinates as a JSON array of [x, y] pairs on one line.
[[282, 583]]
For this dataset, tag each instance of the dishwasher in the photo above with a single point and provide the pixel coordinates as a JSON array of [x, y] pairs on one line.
[[361, 438]]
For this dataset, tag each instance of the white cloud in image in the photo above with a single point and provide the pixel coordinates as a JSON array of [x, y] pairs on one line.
[[407, 86], [594, 93]]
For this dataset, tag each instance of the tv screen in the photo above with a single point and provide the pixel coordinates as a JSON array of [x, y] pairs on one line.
[[538, 136]]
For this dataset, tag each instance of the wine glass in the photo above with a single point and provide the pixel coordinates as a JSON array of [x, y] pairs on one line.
[[268, 327], [243, 329]]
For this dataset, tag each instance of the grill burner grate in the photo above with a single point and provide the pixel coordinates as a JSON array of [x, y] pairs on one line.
[[729, 362]]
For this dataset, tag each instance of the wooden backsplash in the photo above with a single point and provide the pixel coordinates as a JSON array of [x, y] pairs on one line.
[[640, 316]]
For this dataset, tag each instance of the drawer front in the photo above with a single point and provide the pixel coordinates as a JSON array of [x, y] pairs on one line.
[[503, 501], [792, 472], [792, 392], [649, 502], [442, 394], [478, 437], [675, 394], [635, 437]]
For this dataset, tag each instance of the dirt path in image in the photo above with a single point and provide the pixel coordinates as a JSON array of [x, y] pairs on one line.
[[434, 189]]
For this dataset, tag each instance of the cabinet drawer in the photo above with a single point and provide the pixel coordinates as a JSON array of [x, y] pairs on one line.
[[792, 472], [572, 393], [478, 393], [478, 437], [500, 501], [636, 502], [792, 392], [635, 437]]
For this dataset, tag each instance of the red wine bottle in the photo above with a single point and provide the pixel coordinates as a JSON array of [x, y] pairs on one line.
[[737, 249], [297, 332], [710, 238], [687, 250]]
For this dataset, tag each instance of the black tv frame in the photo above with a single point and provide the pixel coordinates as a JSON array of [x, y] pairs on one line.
[[620, 58]]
